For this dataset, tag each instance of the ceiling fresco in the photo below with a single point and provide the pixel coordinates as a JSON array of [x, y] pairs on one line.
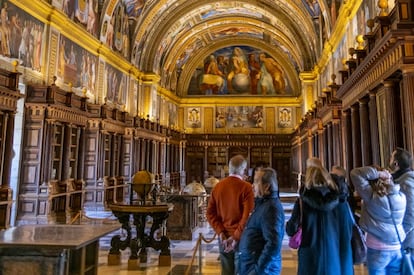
[[239, 70], [173, 38], [188, 32]]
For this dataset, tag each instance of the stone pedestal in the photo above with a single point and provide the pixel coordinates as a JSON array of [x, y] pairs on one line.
[[164, 260], [114, 259], [133, 264]]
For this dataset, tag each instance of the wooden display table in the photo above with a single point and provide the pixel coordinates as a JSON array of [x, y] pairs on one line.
[[155, 238], [51, 249]]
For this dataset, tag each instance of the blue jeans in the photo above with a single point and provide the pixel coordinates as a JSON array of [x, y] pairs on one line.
[[229, 261], [384, 262]]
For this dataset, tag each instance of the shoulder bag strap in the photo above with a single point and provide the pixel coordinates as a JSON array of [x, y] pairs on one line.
[[393, 221]]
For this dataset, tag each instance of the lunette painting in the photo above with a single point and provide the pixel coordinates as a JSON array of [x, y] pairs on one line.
[[239, 70]]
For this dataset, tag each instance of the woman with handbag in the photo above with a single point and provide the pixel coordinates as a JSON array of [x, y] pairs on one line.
[[383, 204], [322, 214]]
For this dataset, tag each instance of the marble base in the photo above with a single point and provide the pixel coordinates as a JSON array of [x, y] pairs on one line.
[[114, 259], [133, 264], [164, 260]]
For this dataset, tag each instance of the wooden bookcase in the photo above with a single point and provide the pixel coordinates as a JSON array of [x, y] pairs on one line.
[[51, 186], [217, 160], [57, 151], [9, 95]]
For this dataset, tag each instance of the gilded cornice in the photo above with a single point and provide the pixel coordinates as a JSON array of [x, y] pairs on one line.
[[346, 13], [38, 9], [150, 78], [241, 100], [308, 77], [169, 95]]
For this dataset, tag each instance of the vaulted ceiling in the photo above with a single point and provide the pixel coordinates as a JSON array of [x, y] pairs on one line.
[[172, 37]]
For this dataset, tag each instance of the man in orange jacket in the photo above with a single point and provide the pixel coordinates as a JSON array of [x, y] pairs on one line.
[[229, 207]]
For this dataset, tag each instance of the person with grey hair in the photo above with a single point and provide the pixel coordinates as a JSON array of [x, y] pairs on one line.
[[261, 242], [229, 207]]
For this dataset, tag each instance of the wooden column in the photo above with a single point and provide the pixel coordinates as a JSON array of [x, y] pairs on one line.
[[407, 99], [365, 132], [356, 136], [310, 153], [320, 150], [347, 140], [336, 143], [393, 116], [8, 149], [329, 146], [373, 123]]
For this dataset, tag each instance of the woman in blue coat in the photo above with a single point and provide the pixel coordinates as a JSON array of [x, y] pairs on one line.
[[326, 224], [261, 242]]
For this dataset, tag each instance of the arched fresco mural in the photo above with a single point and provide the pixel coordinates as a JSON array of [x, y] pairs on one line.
[[115, 27], [239, 70]]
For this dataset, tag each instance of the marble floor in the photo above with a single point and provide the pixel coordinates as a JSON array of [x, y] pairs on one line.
[[185, 261]]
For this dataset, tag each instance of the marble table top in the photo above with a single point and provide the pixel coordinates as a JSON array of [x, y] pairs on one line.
[[56, 235]]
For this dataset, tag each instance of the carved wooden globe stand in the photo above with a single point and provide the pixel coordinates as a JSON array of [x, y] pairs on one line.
[[143, 185]]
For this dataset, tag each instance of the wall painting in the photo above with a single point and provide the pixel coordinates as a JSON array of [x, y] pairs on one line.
[[116, 85], [77, 66], [239, 70], [193, 117], [83, 12], [232, 117], [21, 37], [285, 117]]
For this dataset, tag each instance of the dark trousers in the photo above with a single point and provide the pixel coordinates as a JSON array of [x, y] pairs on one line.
[[229, 262]]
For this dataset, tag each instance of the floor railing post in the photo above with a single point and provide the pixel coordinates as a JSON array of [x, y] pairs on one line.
[[200, 255]]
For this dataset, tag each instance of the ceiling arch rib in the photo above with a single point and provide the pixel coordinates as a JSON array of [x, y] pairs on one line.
[[164, 20]]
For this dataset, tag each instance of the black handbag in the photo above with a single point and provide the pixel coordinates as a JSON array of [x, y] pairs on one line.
[[406, 262], [358, 243], [359, 246]]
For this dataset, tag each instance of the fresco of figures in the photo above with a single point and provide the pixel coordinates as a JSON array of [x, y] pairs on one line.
[[115, 28], [239, 117], [77, 66], [116, 85], [83, 12], [21, 36], [239, 70], [134, 8]]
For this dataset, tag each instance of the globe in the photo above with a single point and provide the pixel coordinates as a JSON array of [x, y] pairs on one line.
[[142, 183]]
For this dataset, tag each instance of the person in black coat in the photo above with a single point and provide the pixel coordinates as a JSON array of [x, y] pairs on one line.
[[261, 242], [326, 223]]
